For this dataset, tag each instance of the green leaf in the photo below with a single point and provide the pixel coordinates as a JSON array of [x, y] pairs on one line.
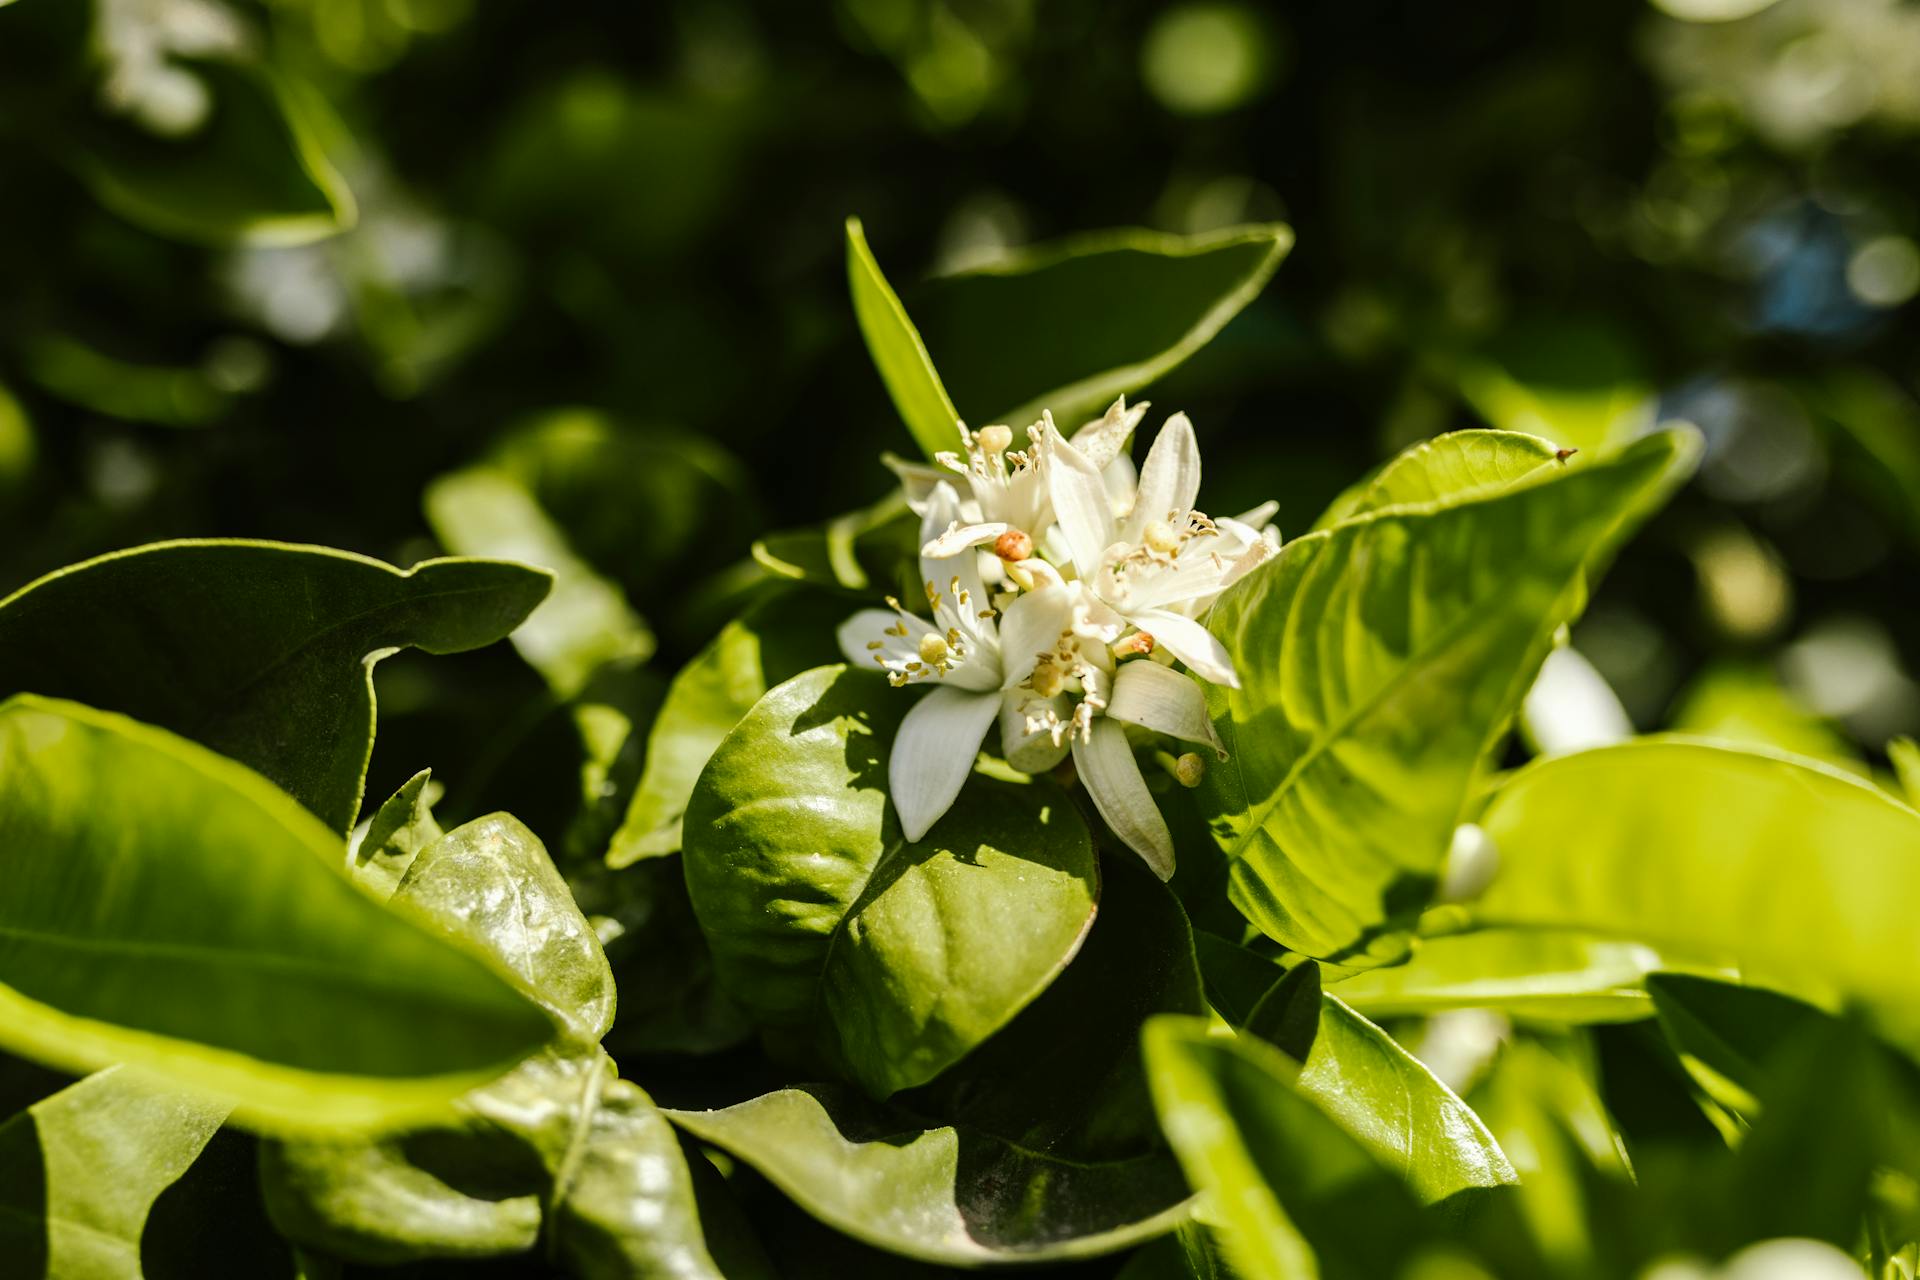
[[1068, 326], [586, 623], [1578, 384], [773, 641], [1141, 302], [945, 1194], [1746, 703], [1378, 661], [821, 916], [395, 835], [253, 172], [856, 552], [1460, 466], [80, 1171], [169, 908], [260, 650], [1381, 1094], [670, 1001], [491, 883], [1525, 974], [1293, 1193], [1792, 871], [1727, 1034], [897, 351]]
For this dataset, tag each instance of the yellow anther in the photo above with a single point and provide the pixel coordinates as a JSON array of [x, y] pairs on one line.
[[934, 649], [1138, 642], [1189, 769], [995, 439], [1160, 536]]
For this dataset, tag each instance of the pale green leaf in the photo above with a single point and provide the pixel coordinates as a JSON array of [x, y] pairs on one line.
[[80, 1170], [260, 650], [897, 351], [169, 908], [1378, 661], [1797, 874], [397, 832], [1525, 974], [1457, 467], [1577, 384]]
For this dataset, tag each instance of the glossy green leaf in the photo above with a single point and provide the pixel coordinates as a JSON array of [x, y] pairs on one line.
[[80, 1171], [1294, 1194], [1069, 325], [169, 908], [395, 835], [1727, 1034], [586, 623], [821, 916], [259, 650], [1457, 467], [945, 1194], [772, 642], [1795, 872], [1538, 976], [1382, 1095], [1378, 660], [254, 171], [896, 348], [491, 883], [1142, 302]]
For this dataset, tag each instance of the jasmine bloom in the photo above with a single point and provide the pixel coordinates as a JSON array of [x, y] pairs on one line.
[[977, 658], [1114, 695], [1161, 562]]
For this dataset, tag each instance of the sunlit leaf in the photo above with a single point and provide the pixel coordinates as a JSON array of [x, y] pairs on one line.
[[1532, 975], [169, 908], [1378, 660]]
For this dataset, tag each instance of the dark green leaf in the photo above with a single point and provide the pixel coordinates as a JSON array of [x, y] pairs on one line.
[[818, 911], [259, 650], [1727, 1034], [168, 907], [1070, 325], [1378, 660], [1288, 1015], [944, 1194], [80, 1171]]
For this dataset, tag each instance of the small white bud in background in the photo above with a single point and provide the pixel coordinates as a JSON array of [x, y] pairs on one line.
[[1472, 863]]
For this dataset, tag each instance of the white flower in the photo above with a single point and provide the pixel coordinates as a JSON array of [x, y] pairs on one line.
[[1140, 692], [978, 660], [1162, 562]]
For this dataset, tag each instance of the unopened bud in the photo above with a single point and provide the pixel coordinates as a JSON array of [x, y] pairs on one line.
[[995, 439], [1189, 769], [1014, 544], [1159, 536], [1138, 642], [934, 649]]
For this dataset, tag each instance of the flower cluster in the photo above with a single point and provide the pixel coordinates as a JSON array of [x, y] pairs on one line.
[[1061, 588]]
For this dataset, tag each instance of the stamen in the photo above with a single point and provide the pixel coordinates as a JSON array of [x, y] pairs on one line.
[[1013, 545], [994, 440], [1138, 642]]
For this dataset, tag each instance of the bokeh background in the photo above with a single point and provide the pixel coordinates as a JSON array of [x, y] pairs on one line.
[[600, 247]]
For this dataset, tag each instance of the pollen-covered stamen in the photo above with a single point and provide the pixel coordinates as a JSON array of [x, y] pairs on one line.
[[1140, 642]]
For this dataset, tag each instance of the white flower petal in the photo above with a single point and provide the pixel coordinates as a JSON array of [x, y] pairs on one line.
[[1170, 480], [1259, 517], [859, 634], [1030, 627], [962, 536], [917, 479], [1122, 479], [960, 595], [1105, 438], [934, 751], [1190, 642], [1161, 699], [1031, 750], [1080, 505], [1105, 763]]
